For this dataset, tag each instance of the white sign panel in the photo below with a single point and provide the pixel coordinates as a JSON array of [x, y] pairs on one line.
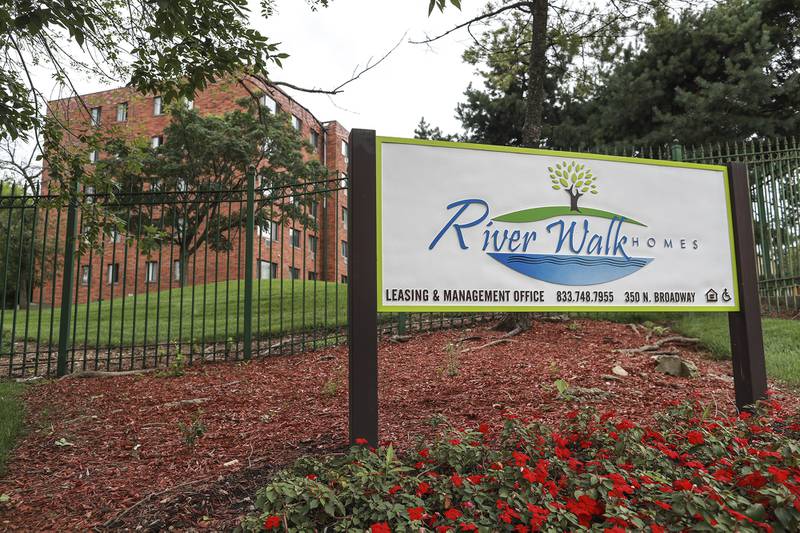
[[469, 227]]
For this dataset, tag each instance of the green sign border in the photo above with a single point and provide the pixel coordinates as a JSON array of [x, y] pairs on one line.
[[380, 141]]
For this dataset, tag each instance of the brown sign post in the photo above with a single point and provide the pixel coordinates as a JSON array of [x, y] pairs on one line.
[[750, 380], [747, 343]]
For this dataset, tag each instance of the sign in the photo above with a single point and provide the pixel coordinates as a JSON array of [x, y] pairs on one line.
[[463, 227]]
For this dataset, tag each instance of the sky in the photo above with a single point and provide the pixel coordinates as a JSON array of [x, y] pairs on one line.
[[327, 46]]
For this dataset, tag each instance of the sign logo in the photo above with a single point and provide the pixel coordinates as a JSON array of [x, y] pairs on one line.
[[582, 255]]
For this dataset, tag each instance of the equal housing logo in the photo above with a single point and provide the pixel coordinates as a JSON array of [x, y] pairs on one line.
[[591, 246]]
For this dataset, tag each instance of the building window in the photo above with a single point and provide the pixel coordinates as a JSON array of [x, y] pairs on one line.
[[188, 103], [344, 279], [115, 236], [343, 180], [294, 272], [312, 276], [95, 113], [313, 209], [156, 141], [295, 235], [94, 155], [314, 139], [86, 273], [158, 106], [312, 244], [267, 270], [296, 124], [345, 250], [122, 112], [181, 185], [113, 273], [88, 193], [270, 103], [269, 231], [344, 217], [176, 270], [345, 149], [151, 272]]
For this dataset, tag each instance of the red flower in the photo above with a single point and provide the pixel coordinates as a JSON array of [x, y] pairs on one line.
[[695, 437], [520, 459], [423, 488], [779, 474], [484, 428], [361, 441], [475, 478], [663, 505], [424, 453], [312, 477], [457, 481], [380, 527], [754, 480], [624, 425], [585, 508], [563, 453], [469, 527], [655, 528], [682, 484], [395, 489], [272, 522], [540, 514], [455, 442], [415, 513], [452, 514], [615, 529]]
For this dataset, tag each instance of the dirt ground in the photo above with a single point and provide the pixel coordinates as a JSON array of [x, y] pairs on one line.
[[147, 452]]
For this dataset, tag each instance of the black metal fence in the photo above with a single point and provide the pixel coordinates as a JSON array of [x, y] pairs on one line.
[[174, 278]]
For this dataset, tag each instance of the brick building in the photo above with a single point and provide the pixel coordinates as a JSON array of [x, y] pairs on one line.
[[282, 251]]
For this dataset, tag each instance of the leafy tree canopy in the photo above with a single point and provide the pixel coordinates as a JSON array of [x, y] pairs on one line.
[[729, 71]]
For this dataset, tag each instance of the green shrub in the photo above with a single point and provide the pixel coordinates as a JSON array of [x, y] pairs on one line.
[[687, 471]]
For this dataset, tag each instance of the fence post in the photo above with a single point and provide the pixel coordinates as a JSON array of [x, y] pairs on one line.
[[747, 344], [677, 151], [362, 301], [66, 287], [248, 266]]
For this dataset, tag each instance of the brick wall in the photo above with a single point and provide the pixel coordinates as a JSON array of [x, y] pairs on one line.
[[206, 265]]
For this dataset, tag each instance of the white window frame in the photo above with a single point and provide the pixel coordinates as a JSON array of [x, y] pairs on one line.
[[313, 139], [292, 271], [113, 272], [271, 269], [269, 232], [345, 217], [313, 239], [122, 112], [176, 270], [115, 236], [94, 156], [345, 149], [151, 272], [345, 249], [96, 115], [297, 123], [156, 141], [158, 106], [86, 274], [292, 233], [270, 103]]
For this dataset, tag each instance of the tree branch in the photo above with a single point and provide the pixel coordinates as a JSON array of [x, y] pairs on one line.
[[487, 15]]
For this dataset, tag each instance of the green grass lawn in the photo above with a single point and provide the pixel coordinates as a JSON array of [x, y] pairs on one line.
[[213, 312], [11, 415], [781, 338]]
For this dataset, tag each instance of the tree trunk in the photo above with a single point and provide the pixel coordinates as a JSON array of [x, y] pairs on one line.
[[514, 323], [573, 202], [537, 68]]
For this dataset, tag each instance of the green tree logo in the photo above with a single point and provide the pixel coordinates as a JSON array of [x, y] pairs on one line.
[[573, 178]]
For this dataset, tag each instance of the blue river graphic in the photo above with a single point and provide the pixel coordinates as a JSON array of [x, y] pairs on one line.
[[571, 269]]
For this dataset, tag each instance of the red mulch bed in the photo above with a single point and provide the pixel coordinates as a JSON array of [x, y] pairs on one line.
[[126, 444]]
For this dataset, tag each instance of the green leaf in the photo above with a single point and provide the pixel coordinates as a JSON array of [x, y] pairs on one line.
[[564, 182]]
